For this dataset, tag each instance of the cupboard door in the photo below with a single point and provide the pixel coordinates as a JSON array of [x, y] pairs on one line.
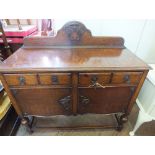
[[104, 100], [44, 101]]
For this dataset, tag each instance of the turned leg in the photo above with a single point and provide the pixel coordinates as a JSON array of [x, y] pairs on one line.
[[124, 118], [24, 122], [27, 123], [142, 118], [120, 118], [119, 123]]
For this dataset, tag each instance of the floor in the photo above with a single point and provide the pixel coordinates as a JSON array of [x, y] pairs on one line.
[[147, 129]]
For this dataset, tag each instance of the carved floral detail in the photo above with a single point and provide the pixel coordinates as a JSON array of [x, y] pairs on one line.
[[65, 102], [84, 100], [74, 30]]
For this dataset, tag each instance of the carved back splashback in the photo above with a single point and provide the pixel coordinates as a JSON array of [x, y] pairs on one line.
[[74, 33]]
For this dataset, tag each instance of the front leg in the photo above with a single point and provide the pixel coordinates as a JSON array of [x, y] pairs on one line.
[[120, 118], [27, 123], [124, 118]]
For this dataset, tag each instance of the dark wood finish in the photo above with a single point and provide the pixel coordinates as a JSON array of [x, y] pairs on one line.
[[75, 33], [67, 59], [98, 121], [105, 100], [75, 92], [42, 102], [73, 73]]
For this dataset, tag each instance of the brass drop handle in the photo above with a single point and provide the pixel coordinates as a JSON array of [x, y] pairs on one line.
[[99, 85], [127, 78], [84, 100], [96, 84], [54, 79], [22, 80]]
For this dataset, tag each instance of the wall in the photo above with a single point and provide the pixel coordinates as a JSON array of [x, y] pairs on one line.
[[139, 35], [146, 48]]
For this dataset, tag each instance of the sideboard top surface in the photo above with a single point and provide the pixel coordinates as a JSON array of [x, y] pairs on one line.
[[73, 49], [72, 60]]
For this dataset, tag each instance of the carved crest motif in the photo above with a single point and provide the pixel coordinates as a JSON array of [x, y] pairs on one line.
[[74, 30], [65, 102]]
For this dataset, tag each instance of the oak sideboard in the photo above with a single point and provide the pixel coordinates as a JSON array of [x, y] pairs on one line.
[[73, 73]]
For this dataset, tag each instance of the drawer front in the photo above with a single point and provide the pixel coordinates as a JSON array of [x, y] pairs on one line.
[[21, 79], [87, 79], [55, 78], [126, 77]]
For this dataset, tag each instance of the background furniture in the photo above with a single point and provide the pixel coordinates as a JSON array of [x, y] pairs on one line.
[[9, 120], [146, 101], [5, 49], [73, 73], [4, 102], [15, 33]]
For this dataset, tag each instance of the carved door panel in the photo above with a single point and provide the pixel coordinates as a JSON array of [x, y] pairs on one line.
[[44, 101], [104, 100]]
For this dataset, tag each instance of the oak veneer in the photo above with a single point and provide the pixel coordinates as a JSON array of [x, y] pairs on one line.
[[73, 73]]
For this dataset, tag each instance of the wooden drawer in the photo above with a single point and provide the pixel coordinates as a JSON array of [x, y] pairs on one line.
[[87, 79], [126, 77], [21, 79], [55, 78]]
